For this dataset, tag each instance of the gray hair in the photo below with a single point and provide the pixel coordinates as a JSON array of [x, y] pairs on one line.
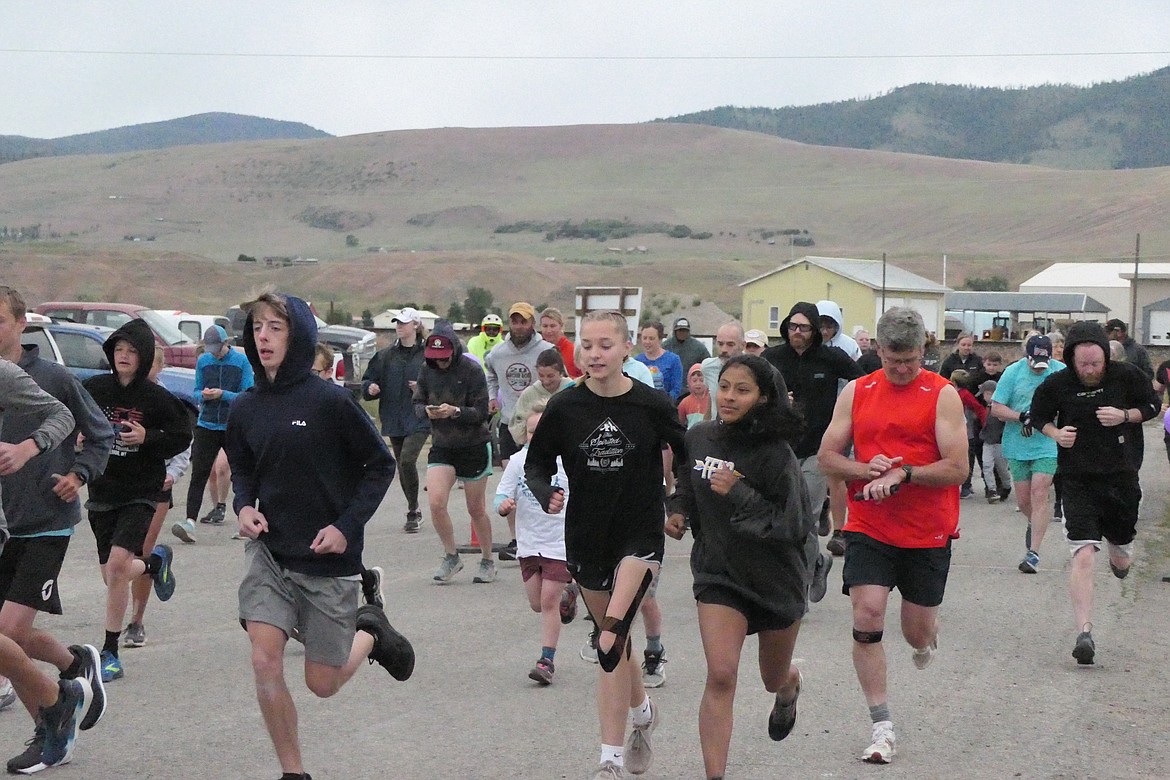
[[901, 329]]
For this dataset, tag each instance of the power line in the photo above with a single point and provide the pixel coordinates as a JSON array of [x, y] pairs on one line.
[[585, 57]]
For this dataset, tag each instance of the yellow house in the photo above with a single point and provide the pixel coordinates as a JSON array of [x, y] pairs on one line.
[[854, 285]]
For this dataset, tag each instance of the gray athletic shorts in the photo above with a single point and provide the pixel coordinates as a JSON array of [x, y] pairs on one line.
[[322, 609]]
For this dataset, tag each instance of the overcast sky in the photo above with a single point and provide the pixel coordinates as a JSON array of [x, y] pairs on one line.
[[350, 67]]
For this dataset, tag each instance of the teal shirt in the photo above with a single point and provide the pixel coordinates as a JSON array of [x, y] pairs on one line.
[[1014, 390]]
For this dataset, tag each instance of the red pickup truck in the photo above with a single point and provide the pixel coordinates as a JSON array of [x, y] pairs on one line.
[[177, 348]]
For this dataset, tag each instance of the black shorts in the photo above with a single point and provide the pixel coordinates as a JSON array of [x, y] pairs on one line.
[[919, 574], [591, 576], [508, 445], [470, 463], [758, 618], [123, 527], [29, 567], [1101, 506]]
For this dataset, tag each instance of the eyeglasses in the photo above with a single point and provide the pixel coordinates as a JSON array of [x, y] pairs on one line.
[[319, 371], [800, 327]]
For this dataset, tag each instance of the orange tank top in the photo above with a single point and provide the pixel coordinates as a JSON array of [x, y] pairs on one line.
[[898, 420]]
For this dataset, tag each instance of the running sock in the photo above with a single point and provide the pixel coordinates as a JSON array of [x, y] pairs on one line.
[[879, 712], [654, 643], [548, 653], [153, 564], [613, 753], [111, 645], [642, 714]]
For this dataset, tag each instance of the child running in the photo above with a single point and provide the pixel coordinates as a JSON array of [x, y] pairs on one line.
[[750, 512], [609, 431]]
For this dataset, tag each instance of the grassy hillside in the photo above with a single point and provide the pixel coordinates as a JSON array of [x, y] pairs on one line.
[[1120, 124], [432, 199]]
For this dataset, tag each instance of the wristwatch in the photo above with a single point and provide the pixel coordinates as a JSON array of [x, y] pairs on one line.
[[42, 446], [909, 473]]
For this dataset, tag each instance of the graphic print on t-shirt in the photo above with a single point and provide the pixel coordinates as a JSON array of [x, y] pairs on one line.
[[710, 464], [518, 376], [606, 447]]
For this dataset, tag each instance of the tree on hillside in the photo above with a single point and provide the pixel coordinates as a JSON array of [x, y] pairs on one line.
[[455, 312], [477, 303], [367, 318], [988, 284]]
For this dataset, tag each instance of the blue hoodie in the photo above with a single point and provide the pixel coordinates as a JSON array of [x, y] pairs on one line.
[[306, 455]]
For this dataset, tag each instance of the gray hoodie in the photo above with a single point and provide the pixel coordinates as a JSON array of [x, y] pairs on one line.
[[510, 370], [841, 341]]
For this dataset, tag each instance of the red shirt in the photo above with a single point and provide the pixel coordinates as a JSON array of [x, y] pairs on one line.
[[898, 420]]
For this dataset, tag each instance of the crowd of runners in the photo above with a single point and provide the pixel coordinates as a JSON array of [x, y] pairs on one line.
[[758, 451]]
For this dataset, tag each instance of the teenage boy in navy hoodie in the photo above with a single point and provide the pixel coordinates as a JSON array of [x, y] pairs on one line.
[[150, 425], [308, 470]]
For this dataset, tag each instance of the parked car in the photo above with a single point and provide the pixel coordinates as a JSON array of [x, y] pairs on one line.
[[179, 350], [193, 326], [356, 345], [79, 349]]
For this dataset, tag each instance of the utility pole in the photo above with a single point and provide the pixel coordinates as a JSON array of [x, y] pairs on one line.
[[883, 282], [944, 282], [1133, 324]]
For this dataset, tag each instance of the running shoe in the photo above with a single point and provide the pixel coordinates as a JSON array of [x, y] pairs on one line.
[[447, 570], [91, 670], [923, 656], [609, 771], [1085, 649], [111, 667], [185, 531], [543, 671], [992, 496], [569, 603], [508, 551], [882, 750], [164, 576], [638, 752], [207, 518], [219, 514], [824, 527], [1118, 572], [654, 668], [413, 520], [31, 757], [966, 492], [820, 578], [1031, 563], [7, 695], [589, 649], [372, 586], [391, 649], [836, 544], [486, 572], [783, 716], [61, 721], [134, 635]]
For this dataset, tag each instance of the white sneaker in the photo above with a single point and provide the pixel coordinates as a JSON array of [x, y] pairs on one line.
[[609, 771], [185, 531], [638, 753], [7, 695], [882, 750], [486, 572], [922, 657]]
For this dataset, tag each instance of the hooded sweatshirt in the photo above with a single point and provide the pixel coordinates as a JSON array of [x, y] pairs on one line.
[[812, 377], [845, 343], [461, 384], [231, 373], [306, 455], [511, 370], [29, 502], [135, 472], [392, 370], [1063, 400]]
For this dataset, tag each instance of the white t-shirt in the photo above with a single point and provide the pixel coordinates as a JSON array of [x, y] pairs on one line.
[[537, 532]]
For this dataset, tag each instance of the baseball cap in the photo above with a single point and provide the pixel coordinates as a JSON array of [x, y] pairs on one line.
[[525, 310], [1039, 351], [407, 314], [214, 338], [439, 347], [682, 323], [492, 319], [697, 368], [1114, 324], [757, 337], [990, 384]]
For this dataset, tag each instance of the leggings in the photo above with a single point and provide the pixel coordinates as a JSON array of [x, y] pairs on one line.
[[205, 446], [406, 452]]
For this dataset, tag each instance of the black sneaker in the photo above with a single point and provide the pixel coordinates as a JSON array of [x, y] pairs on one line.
[[218, 514], [391, 649], [1085, 649], [823, 524], [1118, 572], [966, 492], [413, 520], [372, 587], [61, 720], [654, 668], [31, 757], [508, 552], [91, 669], [836, 544], [783, 716]]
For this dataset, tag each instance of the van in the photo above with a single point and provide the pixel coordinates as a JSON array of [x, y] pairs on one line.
[[179, 350], [193, 326]]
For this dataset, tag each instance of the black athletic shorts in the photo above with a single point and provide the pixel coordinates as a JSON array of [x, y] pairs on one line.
[[600, 577], [758, 618], [508, 445], [123, 527], [1101, 506], [919, 574], [29, 567], [470, 463]]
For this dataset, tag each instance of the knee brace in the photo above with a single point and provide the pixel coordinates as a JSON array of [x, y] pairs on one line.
[[867, 637], [620, 628]]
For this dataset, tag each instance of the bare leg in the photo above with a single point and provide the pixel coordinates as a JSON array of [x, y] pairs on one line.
[[722, 630], [141, 586], [1080, 585], [919, 624], [221, 478], [440, 480], [324, 681], [276, 704], [838, 503], [1041, 514], [617, 691], [550, 612], [869, 659], [475, 496], [122, 567]]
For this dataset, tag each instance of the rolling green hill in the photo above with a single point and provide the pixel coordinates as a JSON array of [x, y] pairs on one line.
[[1120, 124]]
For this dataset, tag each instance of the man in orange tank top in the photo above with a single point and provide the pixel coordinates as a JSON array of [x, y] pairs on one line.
[[909, 458]]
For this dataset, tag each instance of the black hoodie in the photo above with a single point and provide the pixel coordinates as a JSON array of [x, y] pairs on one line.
[[306, 455], [1063, 400], [461, 384], [135, 472], [813, 377]]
